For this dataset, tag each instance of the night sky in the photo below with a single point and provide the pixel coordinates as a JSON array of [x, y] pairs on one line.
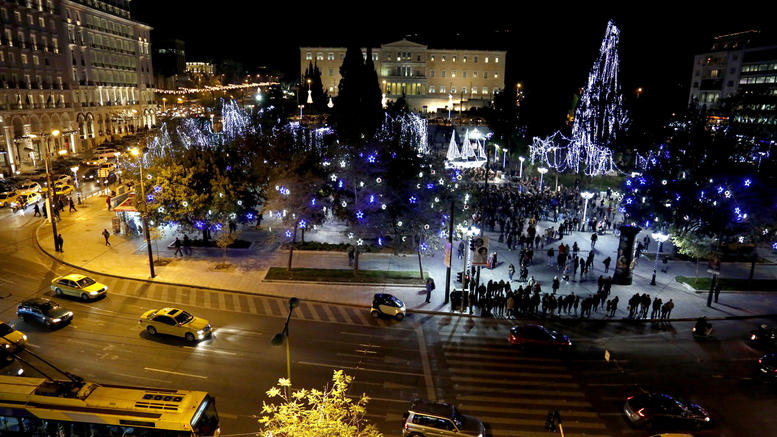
[[550, 50]]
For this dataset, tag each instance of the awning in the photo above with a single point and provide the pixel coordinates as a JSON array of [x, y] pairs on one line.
[[127, 205]]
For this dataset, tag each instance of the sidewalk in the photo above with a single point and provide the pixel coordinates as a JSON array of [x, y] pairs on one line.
[[84, 247]]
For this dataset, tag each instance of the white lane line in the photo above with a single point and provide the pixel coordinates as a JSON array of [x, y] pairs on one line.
[[204, 349], [139, 377], [175, 373], [337, 366], [516, 400], [33, 345], [430, 392], [399, 401]]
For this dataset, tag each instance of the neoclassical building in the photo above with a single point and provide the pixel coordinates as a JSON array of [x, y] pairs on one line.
[[429, 78], [73, 74]]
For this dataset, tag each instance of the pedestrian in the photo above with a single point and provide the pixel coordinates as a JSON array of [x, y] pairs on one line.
[[594, 237], [606, 263], [666, 310], [177, 245], [59, 242], [45, 211], [187, 245], [72, 205], [56, 213], [429, 288], [108, 202], [351, 255], [511, 271], [36, 210], [556, 284], [106, 235], [460, 251], [717, 291], [613, 306], [657, 303]]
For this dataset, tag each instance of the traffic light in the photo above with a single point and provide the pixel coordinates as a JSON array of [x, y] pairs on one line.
[[553, 420], [459, 276]]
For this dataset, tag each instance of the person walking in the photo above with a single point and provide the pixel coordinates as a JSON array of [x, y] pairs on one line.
[[36, 210], [511, 271], [606, 263], [613, 306], [108, 202], [556, 284], [72, 206], [59, 243], [106, 235], [717, 291], [429, 288], [177, 245], [594, 237]]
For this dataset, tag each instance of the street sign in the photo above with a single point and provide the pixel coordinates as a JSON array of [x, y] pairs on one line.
[[480, 248]]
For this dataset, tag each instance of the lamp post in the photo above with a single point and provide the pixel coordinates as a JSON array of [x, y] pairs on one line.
[[660, 237], [164, 104], [504, 159], [450, 105], [586, 195], [468, 233], [283, 336], [520, 171], [542, 171], [144, 215], [50, 192]]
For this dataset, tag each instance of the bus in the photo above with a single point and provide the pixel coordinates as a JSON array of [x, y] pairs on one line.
[[44, 407]]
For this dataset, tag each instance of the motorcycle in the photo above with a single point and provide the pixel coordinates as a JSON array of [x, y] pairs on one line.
[[763, 337], [702, 328]]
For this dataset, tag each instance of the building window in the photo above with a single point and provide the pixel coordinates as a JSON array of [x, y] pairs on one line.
[[431, 73], [496, 59], [431, 89], [319, 56], [442, 58], [464, 59], [308, 56], [331, 71], [342, 56], [474, 90], [485, 90], [464, 90], [453, 89], [453, 59], [475, 59], [464, 74], [442, 90], [474, 74], [485, 75], [431, 58], [330, 57], [442, 73], [453, 74], [496, 75], [35, 60], [374, 56], [486, 60], [24, 59]]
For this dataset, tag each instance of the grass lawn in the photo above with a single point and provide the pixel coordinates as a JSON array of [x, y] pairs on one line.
[[345, 275], [730, 284]]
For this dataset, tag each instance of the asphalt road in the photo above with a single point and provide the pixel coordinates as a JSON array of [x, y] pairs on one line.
[[457, 359]]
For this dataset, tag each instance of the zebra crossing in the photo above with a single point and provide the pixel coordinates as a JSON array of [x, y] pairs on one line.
[[243, 303], [512, 391]]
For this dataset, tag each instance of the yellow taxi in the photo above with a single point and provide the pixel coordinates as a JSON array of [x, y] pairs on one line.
[[7, 197], [10, 339], [177, 322], [79, 286], [26, 199], [63, 189]]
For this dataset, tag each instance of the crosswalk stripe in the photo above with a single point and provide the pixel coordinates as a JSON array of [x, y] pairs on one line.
[[251, 304], [229, 301], [462, 370], [199, 297], [305, 311], [501, 357], [318, 311], [359, 315], [512, 401], [528, 411], [491, 382], [477, 348], [511, 432], [276, 307], [172, 293], [540, 422], [214, 300], [514, 365], [340, 315], [266, 306], [242, 303], [329, 315], [518, 391]]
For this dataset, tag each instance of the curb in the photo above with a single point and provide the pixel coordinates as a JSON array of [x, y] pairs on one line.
[[366, 284], [414, 311]]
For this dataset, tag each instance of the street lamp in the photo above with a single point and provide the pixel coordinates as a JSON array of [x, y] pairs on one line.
[[50, 192], [520, 171], [164, 104], [144, 215], [310, 94], [586, 195], [542, 171], [468, 233], [660, 237], [283, 336]]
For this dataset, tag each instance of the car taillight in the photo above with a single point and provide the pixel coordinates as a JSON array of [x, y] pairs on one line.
[[630, 398], [760, 361], [407, 426], [641, 412], [753, 337], [140, 321]]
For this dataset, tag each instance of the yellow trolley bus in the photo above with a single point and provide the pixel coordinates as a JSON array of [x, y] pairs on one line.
[[43, 407]]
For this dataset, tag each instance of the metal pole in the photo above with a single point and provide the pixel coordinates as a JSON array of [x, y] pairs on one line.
[[288, 356], [49, 201], [450, 262], [144, 215]]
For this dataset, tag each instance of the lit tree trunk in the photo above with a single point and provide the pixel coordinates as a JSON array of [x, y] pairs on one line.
[[420, 266], [356, 261], [303, 235], [291, 246]]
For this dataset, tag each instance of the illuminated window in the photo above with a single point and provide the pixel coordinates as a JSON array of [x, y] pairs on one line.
[[496, 75], [496, 59], [442, 90], [319, 56], [453, 74], [453, 59], [485, 90], [431, 58], [442, 58], [308, 56], [464, 59], [453, 89], [474, 74], [486, 60], [464, 90], [330, 57], [474, 90], [431, 89]]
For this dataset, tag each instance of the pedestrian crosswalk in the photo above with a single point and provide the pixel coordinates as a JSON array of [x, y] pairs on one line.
[[244, 303], [512, 390]]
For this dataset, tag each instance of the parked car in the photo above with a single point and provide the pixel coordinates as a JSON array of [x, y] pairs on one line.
[[90, 175], [44, 311], [7, 197], [11, 340], [767, 366], [29, 187], [428, 418], [387, 305], [62, 179], [177, 322], [79, 286], [26, 199], [538, 336], [649, 410]]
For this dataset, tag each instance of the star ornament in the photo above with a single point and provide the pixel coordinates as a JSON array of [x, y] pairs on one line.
[[359, 214]]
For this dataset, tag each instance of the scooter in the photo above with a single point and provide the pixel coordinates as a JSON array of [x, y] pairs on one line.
[[702, 329]]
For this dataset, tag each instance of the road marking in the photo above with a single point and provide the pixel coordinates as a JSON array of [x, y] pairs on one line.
[[540, 422], [399, 401], [512, 401], [337, 366], [462, 370], [175, 373], [528, 411], [430, 392], [485, 363], [502, 357], [517, 391], [205, 349], [512, 432], [490, 382], [227, 415], [140, 377], [33, 345]]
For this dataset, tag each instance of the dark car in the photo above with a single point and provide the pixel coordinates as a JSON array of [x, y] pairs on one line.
[[767, 366], [763, 337], [44, 311], [538, 336], [90, 175], [651, 410]]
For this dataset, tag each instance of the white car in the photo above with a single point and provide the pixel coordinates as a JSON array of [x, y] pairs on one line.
[[387, 305], [62, 179], [29, 187]]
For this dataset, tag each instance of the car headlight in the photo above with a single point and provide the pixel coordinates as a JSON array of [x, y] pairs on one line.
[[94, 292], [57, 320], [706, 419], [7, 346], [24, 336]]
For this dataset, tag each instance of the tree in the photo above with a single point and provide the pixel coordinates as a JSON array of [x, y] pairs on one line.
[[358, 112], [317, 413], [223, 241]]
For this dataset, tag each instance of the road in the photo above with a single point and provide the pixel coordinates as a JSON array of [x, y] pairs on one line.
[[458, 359]]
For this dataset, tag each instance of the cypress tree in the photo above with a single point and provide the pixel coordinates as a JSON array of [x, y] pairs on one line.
[[372, 110], [346, 114]]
